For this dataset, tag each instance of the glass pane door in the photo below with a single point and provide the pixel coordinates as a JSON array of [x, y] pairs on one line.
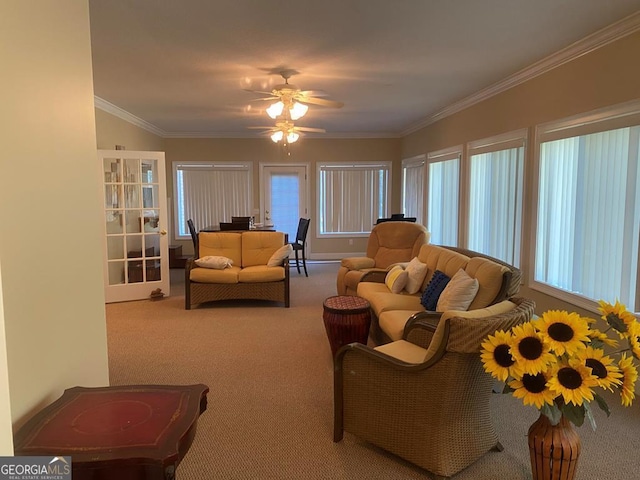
[[135, 211]]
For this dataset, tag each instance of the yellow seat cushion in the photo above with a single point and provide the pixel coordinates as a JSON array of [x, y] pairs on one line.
[[210, 275], [392, 322], [384, 302], [260, 274], [404, 351]]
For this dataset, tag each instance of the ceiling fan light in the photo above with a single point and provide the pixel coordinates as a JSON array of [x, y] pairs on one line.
[[298, 110], [292, 137], [275, 110], [277, 136]]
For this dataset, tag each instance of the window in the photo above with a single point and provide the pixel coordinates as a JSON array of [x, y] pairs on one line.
[[588, 208], [443, 196], [352, 197], [211, 193], [413, 175], [495, 196]]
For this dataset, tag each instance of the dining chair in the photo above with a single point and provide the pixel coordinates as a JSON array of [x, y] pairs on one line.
[[299, 245], [194, 236]]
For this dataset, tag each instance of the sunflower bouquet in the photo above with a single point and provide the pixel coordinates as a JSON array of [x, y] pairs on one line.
[[558, 361]]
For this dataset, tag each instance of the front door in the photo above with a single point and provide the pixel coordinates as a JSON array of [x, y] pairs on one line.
[[284, 199], [136, 253]]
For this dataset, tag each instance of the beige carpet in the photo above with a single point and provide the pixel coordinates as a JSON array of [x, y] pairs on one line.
[[270, 413]]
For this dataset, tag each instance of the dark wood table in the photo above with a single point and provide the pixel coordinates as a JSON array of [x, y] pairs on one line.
[[134, 432]]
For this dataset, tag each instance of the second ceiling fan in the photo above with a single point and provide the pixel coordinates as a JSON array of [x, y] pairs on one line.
[[290, 98]]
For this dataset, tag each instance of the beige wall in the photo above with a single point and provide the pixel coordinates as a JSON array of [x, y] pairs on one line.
[[601, 78], [308, 151], [112, 131], [50, 238]]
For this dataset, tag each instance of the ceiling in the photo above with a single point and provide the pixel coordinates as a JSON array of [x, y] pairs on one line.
[[181, 68]]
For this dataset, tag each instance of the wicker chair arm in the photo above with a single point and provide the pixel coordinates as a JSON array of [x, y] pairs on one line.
[[420, 328], [372, 355], [377, 276]]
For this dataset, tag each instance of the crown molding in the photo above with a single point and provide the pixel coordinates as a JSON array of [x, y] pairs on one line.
[[335, 135], [609, 34], [116, 111]]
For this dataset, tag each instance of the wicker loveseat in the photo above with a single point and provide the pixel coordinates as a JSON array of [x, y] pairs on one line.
[[426, 397], [249, 277]]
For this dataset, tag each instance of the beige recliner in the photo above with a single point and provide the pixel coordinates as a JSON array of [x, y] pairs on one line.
[[389, 243]]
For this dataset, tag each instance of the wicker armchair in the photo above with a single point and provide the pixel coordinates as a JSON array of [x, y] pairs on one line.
[[426, 397]]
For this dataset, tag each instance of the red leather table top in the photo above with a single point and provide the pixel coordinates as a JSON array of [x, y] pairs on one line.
[[116, 427]]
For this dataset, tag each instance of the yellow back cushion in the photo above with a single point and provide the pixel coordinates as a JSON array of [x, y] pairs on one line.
[[257, 247], [226, 244]]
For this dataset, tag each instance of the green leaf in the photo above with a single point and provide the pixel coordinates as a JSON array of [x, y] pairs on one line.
[[552, 412], [596, 343], [602, 404], [574, 413], [592, 421], [616, 323], [507, 388]]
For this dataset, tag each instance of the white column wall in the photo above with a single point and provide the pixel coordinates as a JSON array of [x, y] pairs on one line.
[[50, 217]]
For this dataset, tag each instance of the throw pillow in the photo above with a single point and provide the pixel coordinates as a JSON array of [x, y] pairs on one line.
[[459, 293], [433, 290], [396, 279], [214, 261], [416, 271], [279, 255]]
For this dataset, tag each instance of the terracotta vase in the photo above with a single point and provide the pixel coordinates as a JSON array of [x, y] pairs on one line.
[[554, 449]]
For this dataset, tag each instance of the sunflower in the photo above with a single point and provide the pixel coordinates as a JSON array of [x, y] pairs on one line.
[[496, 357], [532, 389], [629, 377], [602, 367], [617, 316], [574, 381], [564, 331], [529, 351], [634, 344], [597, 335]]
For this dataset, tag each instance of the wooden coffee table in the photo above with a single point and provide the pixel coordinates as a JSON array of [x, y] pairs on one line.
[[134, 432]]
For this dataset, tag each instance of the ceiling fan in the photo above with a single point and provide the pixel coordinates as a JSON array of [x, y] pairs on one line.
[[295, 100], [286, 131]]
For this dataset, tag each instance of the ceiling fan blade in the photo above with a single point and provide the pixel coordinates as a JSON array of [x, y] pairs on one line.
[[313, 93], [265, 99], [263, 128], [310, 129], [320, 101], [261, 92]]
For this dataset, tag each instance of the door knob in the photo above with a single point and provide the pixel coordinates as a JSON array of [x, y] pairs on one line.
[[163, 232]]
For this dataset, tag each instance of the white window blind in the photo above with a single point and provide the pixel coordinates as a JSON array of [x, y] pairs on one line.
[[588, 210], [443, 196], [413, 188], [210, 194], [352, 197], [495, 197]]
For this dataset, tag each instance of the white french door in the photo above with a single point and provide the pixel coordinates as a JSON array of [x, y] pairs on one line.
[[284, 196], [136, 250]]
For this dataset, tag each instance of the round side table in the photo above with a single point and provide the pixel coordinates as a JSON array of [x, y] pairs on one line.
[[347, 319]]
